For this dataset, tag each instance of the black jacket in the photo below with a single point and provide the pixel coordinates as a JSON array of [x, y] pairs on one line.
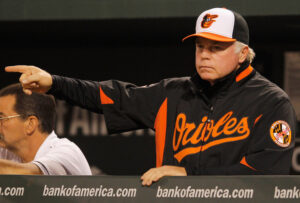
[[244, 124]]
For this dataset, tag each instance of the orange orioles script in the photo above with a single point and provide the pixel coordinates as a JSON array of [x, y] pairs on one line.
[[185, 133]]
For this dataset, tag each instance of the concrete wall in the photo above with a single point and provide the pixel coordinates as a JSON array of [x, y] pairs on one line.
[[15, 10]]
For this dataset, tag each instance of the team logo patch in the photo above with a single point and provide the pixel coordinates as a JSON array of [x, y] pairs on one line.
[[208, 20], [281, 134]]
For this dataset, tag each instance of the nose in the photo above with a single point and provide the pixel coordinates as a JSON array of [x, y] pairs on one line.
[[203, 52]]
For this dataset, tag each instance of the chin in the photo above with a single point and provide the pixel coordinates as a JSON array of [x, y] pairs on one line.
[[206, 76]]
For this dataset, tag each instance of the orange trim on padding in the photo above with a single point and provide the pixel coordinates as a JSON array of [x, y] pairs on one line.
[[244, 162], [211, 36], [244, 73], [104, 98], [160, 126]]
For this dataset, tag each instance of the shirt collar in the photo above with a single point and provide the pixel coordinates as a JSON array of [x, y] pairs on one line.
[[46, 145]]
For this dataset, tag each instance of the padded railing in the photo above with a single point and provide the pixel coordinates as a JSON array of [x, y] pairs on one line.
[[113, 189]]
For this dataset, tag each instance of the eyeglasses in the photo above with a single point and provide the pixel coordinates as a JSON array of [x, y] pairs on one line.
[[8, 117]]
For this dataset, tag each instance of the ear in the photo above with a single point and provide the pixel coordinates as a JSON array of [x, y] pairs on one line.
[[31, 125], [243, 54]]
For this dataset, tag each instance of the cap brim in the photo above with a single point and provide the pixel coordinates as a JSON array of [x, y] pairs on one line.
[[211, 36]]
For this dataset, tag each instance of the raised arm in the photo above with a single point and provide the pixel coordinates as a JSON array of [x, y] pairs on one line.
[[33, 79], [125, 105], [78, 92]]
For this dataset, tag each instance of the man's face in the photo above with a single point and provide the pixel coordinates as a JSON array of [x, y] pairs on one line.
[[12, 131], [214, 59]]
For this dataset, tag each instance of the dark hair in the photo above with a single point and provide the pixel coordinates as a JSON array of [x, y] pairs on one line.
[[40, 105]]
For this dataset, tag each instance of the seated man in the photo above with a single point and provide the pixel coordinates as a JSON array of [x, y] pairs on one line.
[[26, 129]]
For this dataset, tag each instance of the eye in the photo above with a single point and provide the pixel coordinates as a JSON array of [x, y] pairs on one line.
[[216, 48], [199, 45]]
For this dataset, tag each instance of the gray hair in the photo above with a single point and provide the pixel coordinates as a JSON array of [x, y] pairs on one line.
[[251, 53]]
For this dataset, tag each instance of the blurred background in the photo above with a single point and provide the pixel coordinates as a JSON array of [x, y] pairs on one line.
[[138, 41]]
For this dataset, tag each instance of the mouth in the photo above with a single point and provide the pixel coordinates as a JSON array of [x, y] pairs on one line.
[[205, 67]]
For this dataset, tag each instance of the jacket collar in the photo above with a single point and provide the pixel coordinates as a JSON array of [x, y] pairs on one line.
[[245, 72]]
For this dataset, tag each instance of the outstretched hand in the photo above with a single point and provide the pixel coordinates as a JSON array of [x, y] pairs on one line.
[[154, 174], [33, 79]]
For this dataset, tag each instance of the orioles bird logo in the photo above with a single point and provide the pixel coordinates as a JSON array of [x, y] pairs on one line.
[[208, 20]]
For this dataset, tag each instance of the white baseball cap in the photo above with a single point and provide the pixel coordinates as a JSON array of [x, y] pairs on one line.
[[221, 24]]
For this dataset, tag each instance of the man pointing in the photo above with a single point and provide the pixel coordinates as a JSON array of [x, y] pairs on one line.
[[226, 119]]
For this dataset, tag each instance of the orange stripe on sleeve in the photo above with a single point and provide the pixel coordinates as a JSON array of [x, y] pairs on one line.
[[160, 126], [257, 119], [244, 73], [104, 98], [244, 162]]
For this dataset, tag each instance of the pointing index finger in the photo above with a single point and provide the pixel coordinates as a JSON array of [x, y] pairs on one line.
[[18, 68]]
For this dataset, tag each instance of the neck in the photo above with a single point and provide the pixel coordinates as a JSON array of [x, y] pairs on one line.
[[213, 82], [28, 149]]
